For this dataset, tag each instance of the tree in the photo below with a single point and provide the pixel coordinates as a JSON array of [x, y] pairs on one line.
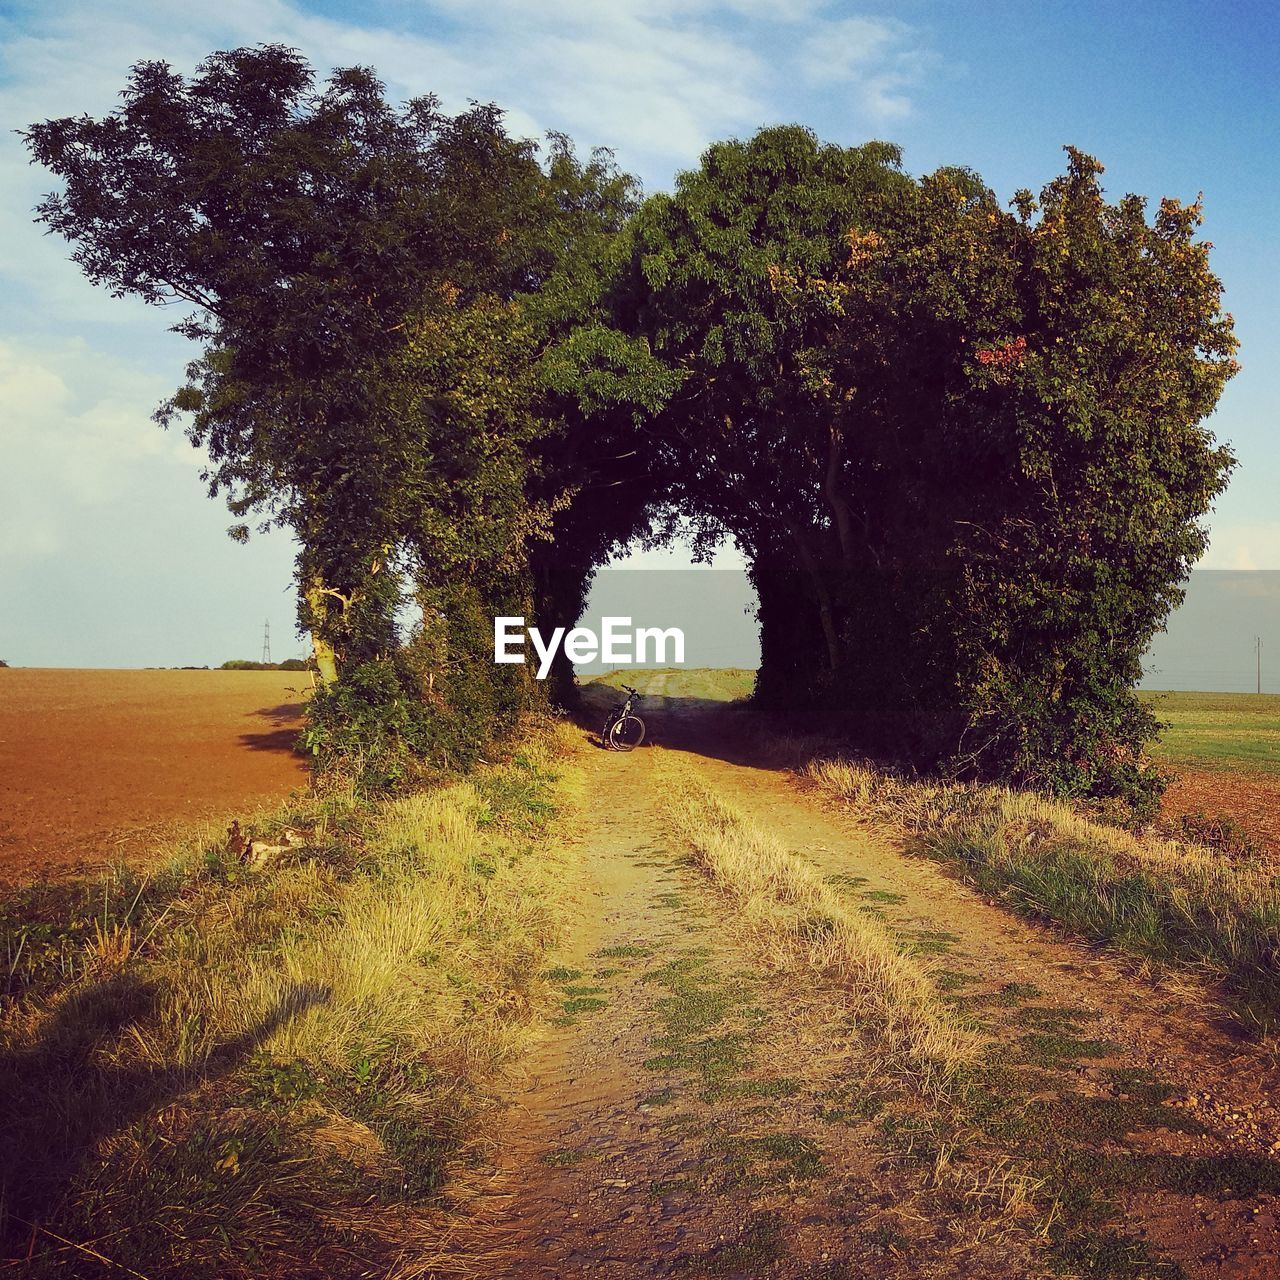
[[307, 226], [961, 446], [377, 291]]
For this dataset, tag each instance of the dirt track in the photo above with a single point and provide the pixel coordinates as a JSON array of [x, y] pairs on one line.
[[96, 766], [694, 1113]]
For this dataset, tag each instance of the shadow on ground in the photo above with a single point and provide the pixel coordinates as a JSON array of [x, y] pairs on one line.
[[289, 717], [82, 1078], [718, 728]]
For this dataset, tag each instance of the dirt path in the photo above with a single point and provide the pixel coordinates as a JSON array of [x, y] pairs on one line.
[[690, 1113], [101, 766], [686, 1116]]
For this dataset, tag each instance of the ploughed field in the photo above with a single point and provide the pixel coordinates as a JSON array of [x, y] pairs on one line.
[[99, 766], [1224, 752]]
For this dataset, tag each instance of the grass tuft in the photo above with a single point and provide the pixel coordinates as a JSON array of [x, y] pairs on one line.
[[1172, 901], [223, 1072]]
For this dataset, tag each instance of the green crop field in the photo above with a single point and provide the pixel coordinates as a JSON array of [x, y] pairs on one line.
[[719, 684], [1238, 732]]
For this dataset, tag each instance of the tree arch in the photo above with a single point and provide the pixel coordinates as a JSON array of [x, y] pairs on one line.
[[961, 445]]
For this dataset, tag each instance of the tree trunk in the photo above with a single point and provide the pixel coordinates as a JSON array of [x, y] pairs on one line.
[[825, 613], [325, 655], [831, 488]]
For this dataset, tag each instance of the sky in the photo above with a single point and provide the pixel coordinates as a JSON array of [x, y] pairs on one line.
[[110, 552]]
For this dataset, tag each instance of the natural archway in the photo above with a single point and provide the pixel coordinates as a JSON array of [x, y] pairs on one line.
[[959, 444]]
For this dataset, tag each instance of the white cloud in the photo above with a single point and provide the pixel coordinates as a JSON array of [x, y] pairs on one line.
[[75, 426], [1254, 545], [877, 60]]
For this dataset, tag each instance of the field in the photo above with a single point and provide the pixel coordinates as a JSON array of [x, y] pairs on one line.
[[1239, 732], [1224, 752], [96, 766], [719, 684], [719, 1006]]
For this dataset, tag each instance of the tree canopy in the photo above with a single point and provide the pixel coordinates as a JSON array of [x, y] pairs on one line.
[[961, 445]]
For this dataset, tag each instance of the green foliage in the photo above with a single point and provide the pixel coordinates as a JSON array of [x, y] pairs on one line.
[[961, 446], [246, 664], [374, 287], [370, 723]]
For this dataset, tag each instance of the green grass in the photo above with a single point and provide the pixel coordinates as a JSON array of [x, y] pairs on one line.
[[1173, 901], [714, 684], [760, 1244], [1238, 732]]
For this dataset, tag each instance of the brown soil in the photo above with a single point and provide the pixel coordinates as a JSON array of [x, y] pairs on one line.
[[1252, 800], [710, 1117], [102, 766]]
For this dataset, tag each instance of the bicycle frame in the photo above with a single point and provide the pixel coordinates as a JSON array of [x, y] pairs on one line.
[[627, 708]]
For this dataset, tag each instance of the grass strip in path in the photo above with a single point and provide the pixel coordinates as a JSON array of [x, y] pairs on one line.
[[804, 925]]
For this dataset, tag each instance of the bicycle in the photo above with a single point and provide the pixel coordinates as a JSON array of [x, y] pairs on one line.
[[624, 730]]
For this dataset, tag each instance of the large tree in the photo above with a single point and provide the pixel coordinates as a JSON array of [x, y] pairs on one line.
[[961, 445], [390, 305], [310, 227]]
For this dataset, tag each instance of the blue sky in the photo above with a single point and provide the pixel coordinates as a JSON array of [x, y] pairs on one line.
[[110, 554]]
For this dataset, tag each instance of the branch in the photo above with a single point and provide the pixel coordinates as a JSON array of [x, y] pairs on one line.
[[329, 591]]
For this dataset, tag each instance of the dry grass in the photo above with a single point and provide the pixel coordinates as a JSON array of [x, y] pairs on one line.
[[1166, 900], [803, 926], [176, 1052]]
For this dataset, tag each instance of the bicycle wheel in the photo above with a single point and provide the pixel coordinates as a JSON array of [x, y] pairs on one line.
[[627, 734], [606, 734]]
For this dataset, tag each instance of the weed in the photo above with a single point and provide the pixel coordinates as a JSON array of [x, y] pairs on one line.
[[760, 1243], [885, 896], [582, 1004], [565, 1158], [1014, 993], [1052, 1049], [662, 1098], [217, 1071]]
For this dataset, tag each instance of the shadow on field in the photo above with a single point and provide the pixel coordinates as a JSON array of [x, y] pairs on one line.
[[84, 1078], [285, 740], [289, 717]]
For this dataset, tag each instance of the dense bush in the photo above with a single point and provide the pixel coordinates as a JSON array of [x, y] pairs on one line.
[[961, 445]]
